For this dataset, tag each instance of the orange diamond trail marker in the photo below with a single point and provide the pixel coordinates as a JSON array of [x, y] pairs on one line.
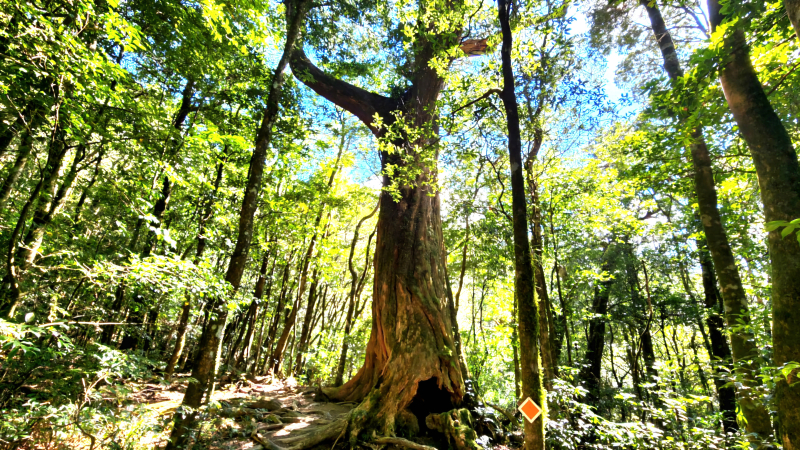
[[530, 409]]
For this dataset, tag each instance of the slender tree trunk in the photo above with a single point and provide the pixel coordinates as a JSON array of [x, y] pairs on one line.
[[733, 293], [206, 365], [7, 133], [644, 348], [23, 154], [306, 330], [48, 199], [545, 335], [131, 340], [351, 299], [590, 374], [183, 323], [524, 286], [260, 295], [241, 325], [255, 306], [48, 209], [288, 324], [276, 317], [745, 353], [180, 341], [280, 345], [277, 355], [720, 351], [85, 194]]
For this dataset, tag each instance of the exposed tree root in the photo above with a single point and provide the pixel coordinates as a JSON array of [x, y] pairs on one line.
[[328, 432], [508, 415], [402, 443]]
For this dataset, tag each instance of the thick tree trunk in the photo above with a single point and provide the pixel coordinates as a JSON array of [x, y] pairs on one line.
[[590, 374], [528, 310], [745, 352], [411, 367], [205, 368], [779, 182]]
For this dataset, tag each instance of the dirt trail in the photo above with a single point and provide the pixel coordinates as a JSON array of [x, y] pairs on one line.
[[275, 409]]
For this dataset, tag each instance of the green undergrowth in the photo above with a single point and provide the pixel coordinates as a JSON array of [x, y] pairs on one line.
[[57, 394]]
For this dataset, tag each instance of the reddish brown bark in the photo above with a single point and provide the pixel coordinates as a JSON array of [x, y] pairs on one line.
[[411, 320]]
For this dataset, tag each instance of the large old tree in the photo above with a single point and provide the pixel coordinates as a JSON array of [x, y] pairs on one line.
[[411, 368]]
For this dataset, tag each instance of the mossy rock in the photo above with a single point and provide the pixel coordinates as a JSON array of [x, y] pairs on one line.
[[406, 424], [456, 425]]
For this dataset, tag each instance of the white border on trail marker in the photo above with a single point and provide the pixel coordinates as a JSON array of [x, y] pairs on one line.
[[528, 399]]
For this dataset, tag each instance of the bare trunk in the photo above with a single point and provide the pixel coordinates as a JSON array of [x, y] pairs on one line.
[[277, 353], [351, 299], [719, 351], [779, 182], [85, 194], [276, 317], [205, 368], [23, 153], [745, 351], [260, 295], [302, 341], [591, 372], [183, 323], [793, 11], [180, 341], [546, 332], [254, 305], [524, 286]]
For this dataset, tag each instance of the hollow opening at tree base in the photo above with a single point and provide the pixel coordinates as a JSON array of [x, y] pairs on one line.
[[429, 399]]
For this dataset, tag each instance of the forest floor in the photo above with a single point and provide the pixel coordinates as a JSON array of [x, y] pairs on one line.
[[272, 408], [263, 407]]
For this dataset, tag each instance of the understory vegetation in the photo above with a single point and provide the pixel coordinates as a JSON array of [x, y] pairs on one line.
[[426, 211]]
